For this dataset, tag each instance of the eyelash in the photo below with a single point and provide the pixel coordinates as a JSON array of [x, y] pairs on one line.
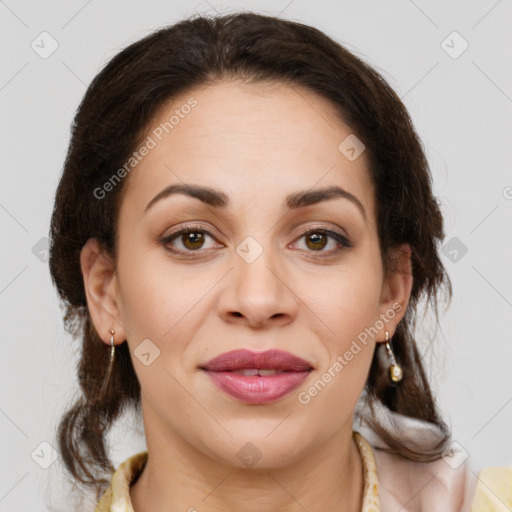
[[341, 239]]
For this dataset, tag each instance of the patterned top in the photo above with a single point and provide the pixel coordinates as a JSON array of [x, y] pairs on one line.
[[117, 496]]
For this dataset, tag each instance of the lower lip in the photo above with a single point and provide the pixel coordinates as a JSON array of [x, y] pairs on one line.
[[256, 389]]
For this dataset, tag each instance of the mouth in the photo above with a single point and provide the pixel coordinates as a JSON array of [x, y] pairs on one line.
[[239, 360], [261, 372], [257, 378]]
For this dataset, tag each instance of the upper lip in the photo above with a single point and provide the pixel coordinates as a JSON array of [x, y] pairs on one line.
[[245, 359]]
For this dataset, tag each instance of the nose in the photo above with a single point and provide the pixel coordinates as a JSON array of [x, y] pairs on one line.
[[258, 294]]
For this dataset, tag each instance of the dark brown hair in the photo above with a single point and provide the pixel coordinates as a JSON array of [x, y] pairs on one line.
[[110, 122]]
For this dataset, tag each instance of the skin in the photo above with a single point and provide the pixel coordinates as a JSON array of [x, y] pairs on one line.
[[257, 143]]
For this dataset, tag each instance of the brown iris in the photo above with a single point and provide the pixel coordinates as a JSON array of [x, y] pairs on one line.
[[316, 238], [194, 238]]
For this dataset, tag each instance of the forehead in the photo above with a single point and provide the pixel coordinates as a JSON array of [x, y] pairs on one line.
[[250, 140]]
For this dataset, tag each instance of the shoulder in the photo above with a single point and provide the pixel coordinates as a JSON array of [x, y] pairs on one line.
[[445, 484], [410, 486], [493, 491]]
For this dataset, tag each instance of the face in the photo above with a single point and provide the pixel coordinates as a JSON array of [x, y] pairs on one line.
[[261, 267]]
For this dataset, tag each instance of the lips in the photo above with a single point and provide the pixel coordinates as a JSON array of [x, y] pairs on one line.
[[257, 377], [245, 360]]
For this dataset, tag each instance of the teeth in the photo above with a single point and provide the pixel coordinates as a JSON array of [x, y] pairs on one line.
[[251, 372], [263, 373]]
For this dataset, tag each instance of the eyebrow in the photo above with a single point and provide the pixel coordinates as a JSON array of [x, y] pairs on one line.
[[294, 201]]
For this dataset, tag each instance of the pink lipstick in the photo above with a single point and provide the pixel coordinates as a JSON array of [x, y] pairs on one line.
[[257, 377]]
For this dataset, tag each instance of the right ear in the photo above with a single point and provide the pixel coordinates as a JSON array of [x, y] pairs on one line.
[[100, 284]]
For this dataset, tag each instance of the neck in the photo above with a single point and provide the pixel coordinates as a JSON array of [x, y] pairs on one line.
[[179, 476]]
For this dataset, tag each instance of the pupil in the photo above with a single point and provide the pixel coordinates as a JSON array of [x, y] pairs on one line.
[[317, 238], [194, 238]]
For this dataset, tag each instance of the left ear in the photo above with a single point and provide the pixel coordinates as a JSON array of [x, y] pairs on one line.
[[396, 290]]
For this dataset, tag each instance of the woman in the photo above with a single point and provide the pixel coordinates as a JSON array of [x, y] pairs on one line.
[[241, 236]]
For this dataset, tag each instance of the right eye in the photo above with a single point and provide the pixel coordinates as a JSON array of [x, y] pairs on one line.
[[191, 238]]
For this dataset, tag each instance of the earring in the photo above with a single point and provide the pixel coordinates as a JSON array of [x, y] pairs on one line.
[[112, 355], [395, 372]]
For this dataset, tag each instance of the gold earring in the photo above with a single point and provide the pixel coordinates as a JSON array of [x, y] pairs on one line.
[[112, 355], [395, 372]]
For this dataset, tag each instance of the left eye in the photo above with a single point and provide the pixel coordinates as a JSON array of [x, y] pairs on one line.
[[318, 239]]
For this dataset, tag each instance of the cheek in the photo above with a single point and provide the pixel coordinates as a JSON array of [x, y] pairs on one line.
[[348, 299], [347, 306], [155, 307], [347, 313], [152, 299], [162, 302]]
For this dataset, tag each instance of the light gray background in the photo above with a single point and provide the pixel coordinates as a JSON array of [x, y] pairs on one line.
[[461, 107]]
